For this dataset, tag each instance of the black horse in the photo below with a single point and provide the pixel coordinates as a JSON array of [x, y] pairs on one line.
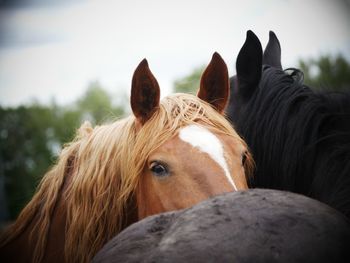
[[245, 226], [300, 138]]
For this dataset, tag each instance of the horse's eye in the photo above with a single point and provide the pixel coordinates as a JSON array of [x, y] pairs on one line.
[[159, 169]]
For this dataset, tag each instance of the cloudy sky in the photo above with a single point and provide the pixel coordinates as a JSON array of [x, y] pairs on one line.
[[55, 48]]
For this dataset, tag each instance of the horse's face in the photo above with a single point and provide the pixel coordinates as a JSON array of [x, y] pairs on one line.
[[194, 165], [199, 161]]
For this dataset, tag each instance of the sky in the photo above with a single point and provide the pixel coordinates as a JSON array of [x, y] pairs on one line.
[[53, 49]]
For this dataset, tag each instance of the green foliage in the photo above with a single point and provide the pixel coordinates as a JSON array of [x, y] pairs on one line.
[[96, 104], [25, 152], [189, 83], [327, 72], [32, 136]]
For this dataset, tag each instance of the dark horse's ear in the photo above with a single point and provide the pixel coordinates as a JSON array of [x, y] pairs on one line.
[[145, 93], [214, 85], [249, 64], [272, 53]]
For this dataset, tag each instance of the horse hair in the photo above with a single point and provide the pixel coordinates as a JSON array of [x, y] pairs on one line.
[[104, 165], [300, 138]]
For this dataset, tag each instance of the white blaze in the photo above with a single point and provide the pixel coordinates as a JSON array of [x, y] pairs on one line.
[[207, 142]]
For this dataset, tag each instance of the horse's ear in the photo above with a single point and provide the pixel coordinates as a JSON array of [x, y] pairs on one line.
[[272, 53], [214, 84], [145, 93], [249, 64]]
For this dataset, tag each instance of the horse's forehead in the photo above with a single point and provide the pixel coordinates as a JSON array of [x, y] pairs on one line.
[[201, 138], [207, 142]]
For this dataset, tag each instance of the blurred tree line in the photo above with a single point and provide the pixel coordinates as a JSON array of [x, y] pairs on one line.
[[189, 83], [31, 136], [327, 73], [324, 73]]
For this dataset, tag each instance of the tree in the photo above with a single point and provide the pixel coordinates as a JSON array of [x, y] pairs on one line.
[[189, 83], [96, 104], [327, 72], [25, 152], [31, 138]]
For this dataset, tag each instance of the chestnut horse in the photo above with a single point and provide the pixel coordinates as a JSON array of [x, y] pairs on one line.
[[169, 155]]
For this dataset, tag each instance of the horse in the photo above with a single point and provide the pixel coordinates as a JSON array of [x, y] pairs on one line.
[[168, 155], [257, 225], [299, 137]]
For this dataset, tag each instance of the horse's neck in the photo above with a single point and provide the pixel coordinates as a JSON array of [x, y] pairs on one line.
[[54, 251], [132, 213], [21, 249], [18, 250]]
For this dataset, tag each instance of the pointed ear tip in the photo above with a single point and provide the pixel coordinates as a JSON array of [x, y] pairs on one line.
[[272, 34], [216, 56], [143, 65], [252, 37], [144, 62], [252, 41], [217, 60], [250, 33]]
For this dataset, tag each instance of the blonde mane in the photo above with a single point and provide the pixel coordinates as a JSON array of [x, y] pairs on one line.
[[104, 165]]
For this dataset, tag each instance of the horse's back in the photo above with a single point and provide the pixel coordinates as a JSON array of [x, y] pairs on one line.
[[248, 226]]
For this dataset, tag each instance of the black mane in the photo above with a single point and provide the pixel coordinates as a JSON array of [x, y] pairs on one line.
[[300, 138]]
